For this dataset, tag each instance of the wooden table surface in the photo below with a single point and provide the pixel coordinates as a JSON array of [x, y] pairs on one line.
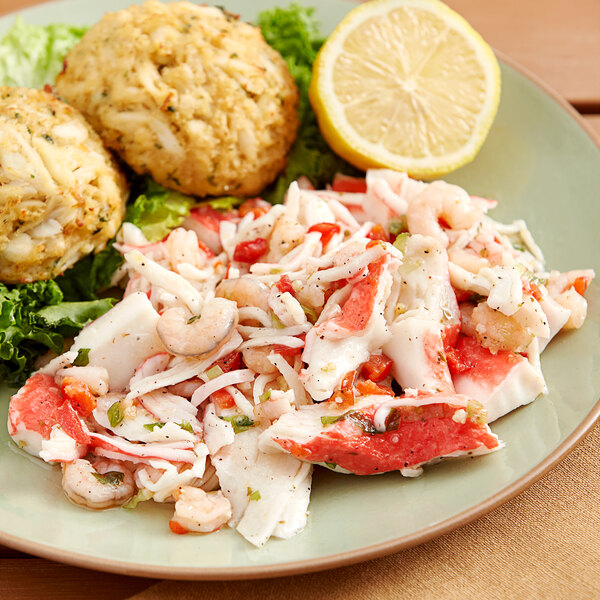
[[556, 40]]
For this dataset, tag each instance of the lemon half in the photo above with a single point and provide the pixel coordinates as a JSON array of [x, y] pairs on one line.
[[407, 85]]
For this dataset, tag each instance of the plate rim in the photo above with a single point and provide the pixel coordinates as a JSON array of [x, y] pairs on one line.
[[350, 557]]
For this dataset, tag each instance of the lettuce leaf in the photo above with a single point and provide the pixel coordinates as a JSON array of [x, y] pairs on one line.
[[294, 33], [157, 210], [32, 55], [34, 319]]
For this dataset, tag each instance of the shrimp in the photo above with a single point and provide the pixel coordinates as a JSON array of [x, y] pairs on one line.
[[567, 289], [257, 360], [496, 331], [186, 335], [100, 485], [244, 292], [442, 200], [197, 510]]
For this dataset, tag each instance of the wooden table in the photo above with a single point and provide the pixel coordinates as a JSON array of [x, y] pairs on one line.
[[558, 41]]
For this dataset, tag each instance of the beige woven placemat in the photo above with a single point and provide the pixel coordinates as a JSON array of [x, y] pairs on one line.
[[543, 544]]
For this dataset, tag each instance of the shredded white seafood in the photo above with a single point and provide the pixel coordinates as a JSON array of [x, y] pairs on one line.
[[337, 316]]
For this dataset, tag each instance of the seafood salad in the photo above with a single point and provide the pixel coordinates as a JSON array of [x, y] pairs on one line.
[[378, 325]]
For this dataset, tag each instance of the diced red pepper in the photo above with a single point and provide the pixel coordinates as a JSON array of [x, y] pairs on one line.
[[251, 250], [285, 285], [175, 527], [369, 388], [532, 289], [327, 231], [348, 381], [257, 206], [378, 233], [223, 398], [345, 183], [231, 362], [79, 396], [377, 368], [581, 284]]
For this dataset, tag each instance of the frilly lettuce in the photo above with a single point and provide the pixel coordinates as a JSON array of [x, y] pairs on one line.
[[34, 319], [32, 55]]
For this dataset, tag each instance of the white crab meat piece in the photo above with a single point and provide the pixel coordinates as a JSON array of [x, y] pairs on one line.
[[556, 315], [501, 382], [264, 489], [343, 342], [417, 349], [122, 339]]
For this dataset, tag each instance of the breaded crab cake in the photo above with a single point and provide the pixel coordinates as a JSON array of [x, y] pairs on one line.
[[188, 94], [62, 195]]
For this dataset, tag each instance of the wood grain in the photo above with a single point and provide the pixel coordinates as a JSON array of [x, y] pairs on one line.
[[35, 578]]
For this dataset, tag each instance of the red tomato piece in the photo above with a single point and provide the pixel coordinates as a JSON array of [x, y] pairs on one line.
[[580, 284], [378, 233], [231, 362], [175, 527], [348, 381], [223, 398], [79, 395], [369, 388], [285, 285], [345, 183], [251, 250], [257, 206], [377, 368], [327, 231]]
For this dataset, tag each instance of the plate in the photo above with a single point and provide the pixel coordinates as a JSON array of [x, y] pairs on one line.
[[542, 165]]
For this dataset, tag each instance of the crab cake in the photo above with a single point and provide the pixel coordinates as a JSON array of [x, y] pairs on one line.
[[188, 94], [62, 195]]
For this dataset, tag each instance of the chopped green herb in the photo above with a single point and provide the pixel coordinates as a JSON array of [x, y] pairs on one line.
[[110, 478], [476, 298], [311, 313], [401, 241], [82, 359], [358, 418], [276, 322], [253, 495], [48, 138], [239, 422], [186, 426], [331, 465], [264, 397], [141, 496], [214, 372], [192, 319], [330, 420], [398, 226], [153, 426], [115, 414]]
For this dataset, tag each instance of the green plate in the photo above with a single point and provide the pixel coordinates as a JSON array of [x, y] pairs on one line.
[[542, 165]]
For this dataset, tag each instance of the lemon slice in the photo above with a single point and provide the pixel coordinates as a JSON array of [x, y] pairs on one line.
[[407, 85]]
